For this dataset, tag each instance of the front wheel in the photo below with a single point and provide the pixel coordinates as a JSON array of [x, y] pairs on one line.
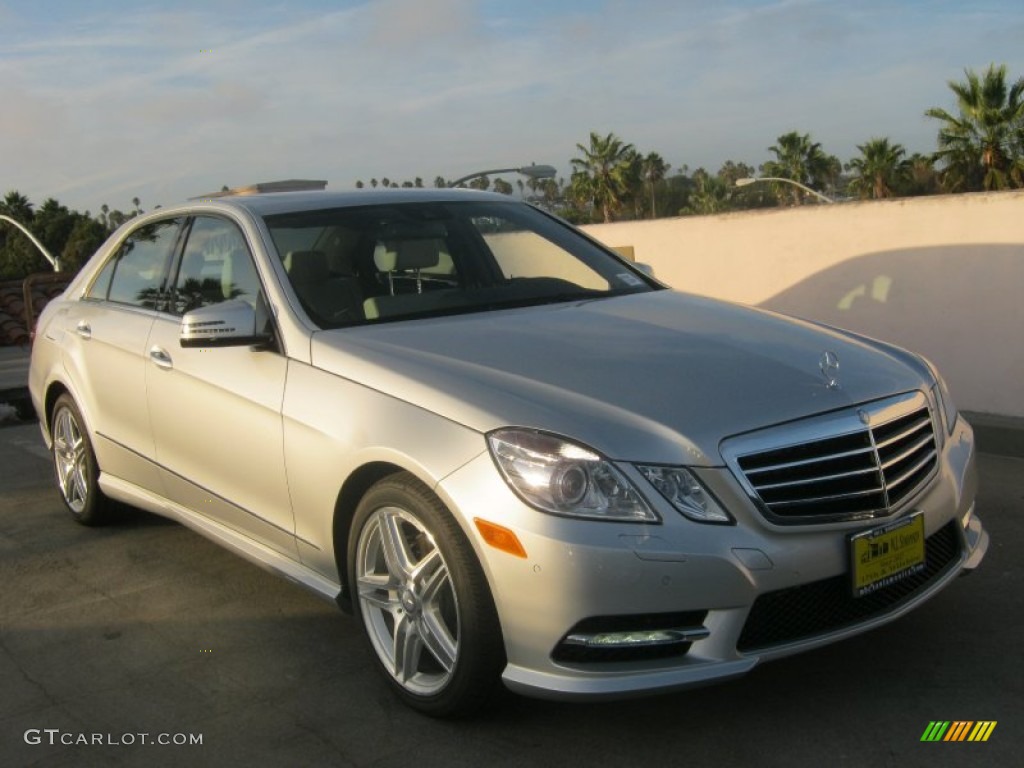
[[74, 464], [423, 599]]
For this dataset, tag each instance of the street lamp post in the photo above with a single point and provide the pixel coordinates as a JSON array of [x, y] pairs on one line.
[[781, 180], [533, 171], [42, 248]]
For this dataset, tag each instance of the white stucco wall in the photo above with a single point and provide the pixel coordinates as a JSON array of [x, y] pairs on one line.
[[941, 275]]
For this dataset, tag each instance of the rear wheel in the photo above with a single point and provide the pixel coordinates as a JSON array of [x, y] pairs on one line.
[[74, 464], [423, 600]]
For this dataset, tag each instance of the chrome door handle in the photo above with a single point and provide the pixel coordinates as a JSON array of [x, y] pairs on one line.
[[160, 358], [83, 329]]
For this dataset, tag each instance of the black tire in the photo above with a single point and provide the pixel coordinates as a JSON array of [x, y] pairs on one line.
[[423, 600], [74, 464]]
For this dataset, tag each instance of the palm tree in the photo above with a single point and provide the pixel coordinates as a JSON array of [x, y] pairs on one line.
[[712, 194], [800, 159], [17, 206], [605, 166], [979, 147], [654, 169], [924, 180], [881, 169]]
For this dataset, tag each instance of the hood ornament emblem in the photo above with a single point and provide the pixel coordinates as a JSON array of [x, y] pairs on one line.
[[829, 365]]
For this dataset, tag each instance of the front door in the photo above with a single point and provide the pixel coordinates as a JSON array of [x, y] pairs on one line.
[[216, 413]]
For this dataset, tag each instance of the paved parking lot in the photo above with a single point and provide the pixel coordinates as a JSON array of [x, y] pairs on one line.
[[146, 628]]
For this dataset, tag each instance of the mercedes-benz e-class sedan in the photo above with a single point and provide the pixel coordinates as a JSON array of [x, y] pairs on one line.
[[513, 455]]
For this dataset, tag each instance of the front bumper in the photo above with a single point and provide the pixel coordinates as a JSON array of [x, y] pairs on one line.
[[577, 571]]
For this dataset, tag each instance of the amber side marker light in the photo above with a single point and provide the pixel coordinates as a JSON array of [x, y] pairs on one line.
[[500, 537]]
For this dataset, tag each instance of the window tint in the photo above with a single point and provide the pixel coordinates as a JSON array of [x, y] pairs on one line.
[[390, 262], [134, 275], [524, 253], [216, 266]]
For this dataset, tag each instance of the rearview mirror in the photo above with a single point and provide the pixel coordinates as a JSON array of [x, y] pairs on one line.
[[234, 323]]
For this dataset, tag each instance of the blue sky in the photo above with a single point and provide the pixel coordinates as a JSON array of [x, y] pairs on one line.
[[105, 101]]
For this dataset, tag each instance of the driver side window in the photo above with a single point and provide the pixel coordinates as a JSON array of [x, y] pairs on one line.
[[216, 266]]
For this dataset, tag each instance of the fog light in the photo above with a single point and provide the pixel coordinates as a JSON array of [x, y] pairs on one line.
[[637, 638], [631, 638]]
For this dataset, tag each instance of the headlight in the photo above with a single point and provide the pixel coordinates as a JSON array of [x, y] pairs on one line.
[[564, 478], [944, 398], [681, 487]]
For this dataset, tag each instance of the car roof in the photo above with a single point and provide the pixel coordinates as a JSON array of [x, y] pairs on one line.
[[267, 204]]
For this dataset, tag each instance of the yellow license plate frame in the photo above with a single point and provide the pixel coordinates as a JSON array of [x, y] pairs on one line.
[[887, 554]]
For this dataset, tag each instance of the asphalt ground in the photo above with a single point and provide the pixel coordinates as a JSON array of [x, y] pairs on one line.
[[147, 628]]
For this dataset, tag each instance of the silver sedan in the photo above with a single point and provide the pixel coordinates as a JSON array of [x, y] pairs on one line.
[[513, 455]]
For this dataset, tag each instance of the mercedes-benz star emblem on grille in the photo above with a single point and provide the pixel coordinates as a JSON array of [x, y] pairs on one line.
[[829, 365], [865, 417]]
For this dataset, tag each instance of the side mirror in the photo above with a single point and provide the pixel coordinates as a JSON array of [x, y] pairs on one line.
[[647, 269], [234, 323]]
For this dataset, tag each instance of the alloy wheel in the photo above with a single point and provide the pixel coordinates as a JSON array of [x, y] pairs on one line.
[[407, 600], [71, 460]]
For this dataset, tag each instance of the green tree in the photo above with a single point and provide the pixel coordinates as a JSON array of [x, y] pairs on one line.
[[502, 186], [86, 236], [602, 175], [712, 194], [359, 184], [654, 169], [52, 224], [439, 182], [923, 179], [18, 256], [880, 171], [634, 179], [17, 206], [800, 159], [979, 147]]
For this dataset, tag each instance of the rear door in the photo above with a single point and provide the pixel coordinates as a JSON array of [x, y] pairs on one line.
[[106, 350]]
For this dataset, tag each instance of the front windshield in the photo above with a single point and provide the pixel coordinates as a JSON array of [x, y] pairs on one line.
[[381, 263]]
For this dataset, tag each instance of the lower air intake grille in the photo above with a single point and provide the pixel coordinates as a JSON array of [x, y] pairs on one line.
[[855, 464], [798, 613]]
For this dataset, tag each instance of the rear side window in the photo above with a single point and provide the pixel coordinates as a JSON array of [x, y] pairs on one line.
[[135, 274]]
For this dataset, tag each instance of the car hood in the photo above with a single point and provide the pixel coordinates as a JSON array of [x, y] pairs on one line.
[[658, 377]]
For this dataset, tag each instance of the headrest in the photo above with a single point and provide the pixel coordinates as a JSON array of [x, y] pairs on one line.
[[305, 267], [235, 273], [407, 254]]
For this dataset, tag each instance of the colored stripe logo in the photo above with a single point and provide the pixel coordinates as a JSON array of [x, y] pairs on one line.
[[958, 730]]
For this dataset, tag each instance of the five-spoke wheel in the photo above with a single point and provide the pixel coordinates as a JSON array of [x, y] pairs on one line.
[[423, 599], [75, 463]]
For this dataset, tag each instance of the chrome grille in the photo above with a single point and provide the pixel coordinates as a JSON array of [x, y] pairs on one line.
[[854, 464]]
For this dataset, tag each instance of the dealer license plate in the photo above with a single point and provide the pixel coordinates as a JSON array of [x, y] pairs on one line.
[[885, 555]]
